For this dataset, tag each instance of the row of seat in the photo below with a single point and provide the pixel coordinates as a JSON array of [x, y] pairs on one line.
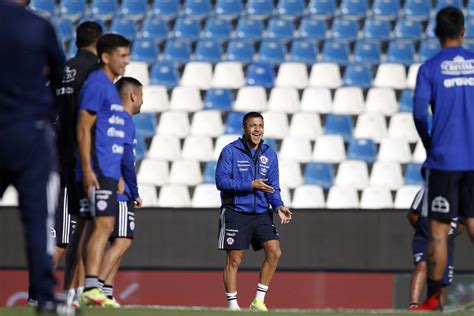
[[230, 75], [257, 9], [305, 196], [350, 173]]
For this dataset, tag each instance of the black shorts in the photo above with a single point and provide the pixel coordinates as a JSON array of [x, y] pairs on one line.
[[450, 194], [65, 223], [74, 189], [238, 230], [124, 220], [102, 202]]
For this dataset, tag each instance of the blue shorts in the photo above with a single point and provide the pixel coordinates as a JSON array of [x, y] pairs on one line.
[[238, 230], [102, 202], [420, 249], [124, 220]]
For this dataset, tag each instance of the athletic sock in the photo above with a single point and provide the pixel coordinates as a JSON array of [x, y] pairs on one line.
[[92, 282], [434, 286], [108, 290], [261, 291], [100, 284], [232, 300]]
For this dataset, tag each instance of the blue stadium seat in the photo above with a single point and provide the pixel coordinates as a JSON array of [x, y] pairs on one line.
[[319, 173], [468, 45], [72, 51], [144, 50], [362, 149], [401, 52], [272, 143], [176, 51], [428, 49], [386, 9], [469, 25], [136, 9], [470, 9], [413, 174], [145, 124], [104, 9], [272, 52], [218, 99], [186, 29], [335, 52], [260, 9], [125, 27], [367, 52], [406, 100], [208, 51], [280, 29], [354, 8], [303, 52], [291, 8], [313, 29], [345, 30], [339, 125], [417, 9], [378, 30], [209, 174], [141, 148], [64, 29], [154, 29], [166, 9], [240, 51], [358, 75], [429, 31], [233, 123], [45, 7], [165, 74], [408, 30], [249, 30], [72, 9], [197, 8], [260, 74], [448, 3], [228, 9], [217, 29], [322, 8]]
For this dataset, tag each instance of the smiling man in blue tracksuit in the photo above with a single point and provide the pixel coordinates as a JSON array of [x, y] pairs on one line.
[[248, 178]]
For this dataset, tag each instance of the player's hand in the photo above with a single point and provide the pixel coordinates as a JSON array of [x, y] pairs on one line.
[[285, 214], [259, 184], [121, 186], [138, 202], [90, 181]]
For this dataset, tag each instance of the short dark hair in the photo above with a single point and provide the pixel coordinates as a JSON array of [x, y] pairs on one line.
[[88, 33], [109, 42], [449, 23], [250, 115], [123, 82]]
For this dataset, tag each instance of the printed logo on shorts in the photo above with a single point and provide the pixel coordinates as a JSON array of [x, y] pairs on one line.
[[418, 256], [264, 159], [101, 205], [440, 204], [84, 206], [132, 226], [230, 241], [53, 232]]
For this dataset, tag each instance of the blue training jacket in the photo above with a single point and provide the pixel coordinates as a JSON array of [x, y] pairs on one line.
[[235, 171]]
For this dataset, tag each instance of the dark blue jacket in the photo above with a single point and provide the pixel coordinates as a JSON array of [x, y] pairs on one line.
[[235, 171]]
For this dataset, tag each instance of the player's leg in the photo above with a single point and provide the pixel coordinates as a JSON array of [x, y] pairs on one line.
[[418, 279], [103, 207], [109, 283], [34, 177], [444, 192], [265, 235], [234, 236]]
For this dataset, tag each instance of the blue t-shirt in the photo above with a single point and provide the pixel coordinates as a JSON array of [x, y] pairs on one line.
[[129, 161], [446, 81], [100, 96]]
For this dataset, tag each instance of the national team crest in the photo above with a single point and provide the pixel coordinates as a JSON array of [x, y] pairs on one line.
[[230, 241], [264, 159]]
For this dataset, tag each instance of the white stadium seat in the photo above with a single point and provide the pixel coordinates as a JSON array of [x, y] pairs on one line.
[[10, 197], [198, 75], [317, 100], [252, 98], [412, 74], [148, 195], [353, 173], [198, 148], [186, 99], [155, 99], [405, 196], [371, 125], [419, 155], [174, 196], [153, 172], [284, 100], [306, 125], [223, 141], [293, 75], [381, 100], [376, 198], [174, 123], [390, 76], [402, 126], [308, 196], [386, 174], [206, 195], [296, 148], [139, 71], [207, 123], [164, 147], [342, 198], [290, 174], [228, 75], [325, 75], [329, 148], [393, 149], [349, 100], [276, 124], [185, 172]]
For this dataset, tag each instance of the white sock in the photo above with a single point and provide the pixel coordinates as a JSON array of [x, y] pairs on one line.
[[232, 300], [79, 290], [261, 291], [69, 294], [91, 283]]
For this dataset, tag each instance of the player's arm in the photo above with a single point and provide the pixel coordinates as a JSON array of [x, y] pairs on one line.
[[85, 123], [129, 173], [421, 101], [224, 180], [274, 198], [413, 217]]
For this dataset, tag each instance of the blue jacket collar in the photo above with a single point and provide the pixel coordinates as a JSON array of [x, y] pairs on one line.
[[239, 143]]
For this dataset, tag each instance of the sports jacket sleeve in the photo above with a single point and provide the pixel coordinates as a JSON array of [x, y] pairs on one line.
[[224, 179], [421, 101], [274, 181], [128, 170]]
